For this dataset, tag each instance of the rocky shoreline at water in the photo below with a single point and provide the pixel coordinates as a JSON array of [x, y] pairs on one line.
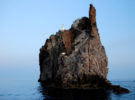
[[76, 58]]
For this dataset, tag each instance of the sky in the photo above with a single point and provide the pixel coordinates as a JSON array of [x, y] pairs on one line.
[[26, 24]]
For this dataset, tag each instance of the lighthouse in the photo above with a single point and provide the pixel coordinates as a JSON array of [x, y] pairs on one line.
[[63, 27]]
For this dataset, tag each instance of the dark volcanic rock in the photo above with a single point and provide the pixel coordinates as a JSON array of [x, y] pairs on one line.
[[75, 58]]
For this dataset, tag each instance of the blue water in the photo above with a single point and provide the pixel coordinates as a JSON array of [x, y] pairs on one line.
[[20, 83]]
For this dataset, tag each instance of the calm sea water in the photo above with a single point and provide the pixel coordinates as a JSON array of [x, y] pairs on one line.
[[20, 83]]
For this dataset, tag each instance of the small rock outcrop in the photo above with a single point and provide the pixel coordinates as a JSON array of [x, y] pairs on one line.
[[75, 58]]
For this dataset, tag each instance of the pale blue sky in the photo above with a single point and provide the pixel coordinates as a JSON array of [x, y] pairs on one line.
[[26, 24]]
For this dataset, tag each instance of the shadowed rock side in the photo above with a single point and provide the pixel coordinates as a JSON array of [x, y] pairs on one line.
[[74, 58]]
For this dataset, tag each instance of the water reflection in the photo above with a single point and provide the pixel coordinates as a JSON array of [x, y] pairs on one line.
[[73, 94]]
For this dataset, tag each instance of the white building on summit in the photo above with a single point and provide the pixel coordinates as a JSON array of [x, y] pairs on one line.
[[63, 27]]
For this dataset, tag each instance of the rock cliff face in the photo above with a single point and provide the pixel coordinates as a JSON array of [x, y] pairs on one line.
[[76, 57]]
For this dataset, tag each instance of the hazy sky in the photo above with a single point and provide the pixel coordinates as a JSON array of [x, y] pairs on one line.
[[26, 24]]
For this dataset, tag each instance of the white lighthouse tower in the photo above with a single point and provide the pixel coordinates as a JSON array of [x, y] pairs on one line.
[[63, 27]]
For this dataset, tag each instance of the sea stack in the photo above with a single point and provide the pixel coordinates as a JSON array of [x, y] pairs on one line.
[[75, 58]]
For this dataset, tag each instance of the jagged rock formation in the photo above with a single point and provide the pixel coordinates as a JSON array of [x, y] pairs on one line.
[[75, 58]]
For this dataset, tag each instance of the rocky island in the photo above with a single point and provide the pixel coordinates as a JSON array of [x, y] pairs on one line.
[[76, 58]]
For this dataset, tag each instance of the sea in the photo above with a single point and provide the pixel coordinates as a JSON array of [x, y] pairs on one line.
[[21, 83]]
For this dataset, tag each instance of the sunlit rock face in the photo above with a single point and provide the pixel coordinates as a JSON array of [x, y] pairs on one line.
[[76, 58]]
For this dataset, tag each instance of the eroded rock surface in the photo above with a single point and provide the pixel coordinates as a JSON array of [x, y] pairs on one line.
[[75, 58]]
